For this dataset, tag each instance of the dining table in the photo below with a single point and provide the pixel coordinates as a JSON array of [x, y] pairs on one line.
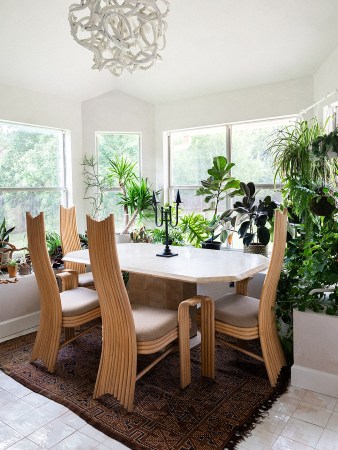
[[164, 282]]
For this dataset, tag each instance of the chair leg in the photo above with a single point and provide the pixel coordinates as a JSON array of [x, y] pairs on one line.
[[207, 337], [47, 343], [69, 333]]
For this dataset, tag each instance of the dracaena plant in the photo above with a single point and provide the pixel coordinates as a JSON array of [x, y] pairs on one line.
[[215, 188], [252, 218]]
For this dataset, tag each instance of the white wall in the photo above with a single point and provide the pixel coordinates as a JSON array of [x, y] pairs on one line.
[[272, 100], [21, 105], [117, 111], [325, 79]]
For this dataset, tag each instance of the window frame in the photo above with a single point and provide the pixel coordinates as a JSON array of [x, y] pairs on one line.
[[100, 133], [64, 189], [171, 188]]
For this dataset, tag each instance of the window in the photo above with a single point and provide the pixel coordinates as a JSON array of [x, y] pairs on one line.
[[32, 176], [330, 116], [108, 146], [191, 152]]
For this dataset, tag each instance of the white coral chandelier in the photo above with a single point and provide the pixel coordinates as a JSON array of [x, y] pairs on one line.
[[123, 34]]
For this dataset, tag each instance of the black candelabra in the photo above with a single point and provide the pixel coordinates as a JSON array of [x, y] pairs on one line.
[[166, 217]]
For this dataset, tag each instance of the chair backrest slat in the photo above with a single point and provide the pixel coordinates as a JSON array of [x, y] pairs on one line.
[[70, 239], [268, 296], [45, 277], [118, 328]]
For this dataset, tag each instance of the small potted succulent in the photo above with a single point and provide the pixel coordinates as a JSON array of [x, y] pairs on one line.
[[12, 268], [252, 219]]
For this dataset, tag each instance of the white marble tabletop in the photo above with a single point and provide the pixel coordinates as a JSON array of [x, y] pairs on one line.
[[193, 265]]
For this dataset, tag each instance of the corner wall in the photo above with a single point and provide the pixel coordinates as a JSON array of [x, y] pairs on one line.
[[325, 79], [119, 112]]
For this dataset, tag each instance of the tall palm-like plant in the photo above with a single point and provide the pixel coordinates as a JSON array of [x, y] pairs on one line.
[[138, 200], [122, 171]]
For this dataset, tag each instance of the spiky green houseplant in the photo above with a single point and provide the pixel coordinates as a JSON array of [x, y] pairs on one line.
[[122, 171]]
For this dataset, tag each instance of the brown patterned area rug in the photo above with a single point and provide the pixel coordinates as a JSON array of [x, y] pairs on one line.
[[207, 415]]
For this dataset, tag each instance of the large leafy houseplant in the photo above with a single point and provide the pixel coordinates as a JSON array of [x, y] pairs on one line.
[[301, 162], [252, 218], [301, 157], [215, 189]]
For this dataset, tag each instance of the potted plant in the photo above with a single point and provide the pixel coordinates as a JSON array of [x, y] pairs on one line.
[[301, 161], [252, 220], [137, 200], [4, 238], [215, 188], [12, 268], [122, 171]]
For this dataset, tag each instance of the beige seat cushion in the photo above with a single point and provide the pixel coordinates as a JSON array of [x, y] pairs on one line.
[[78, 301], [86, 279], [237, 310], [153, 323]]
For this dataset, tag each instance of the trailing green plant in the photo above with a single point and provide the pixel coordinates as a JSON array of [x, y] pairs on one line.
[[323, 145], [309, 264], [303, 166], [4, 233], [215, 189]]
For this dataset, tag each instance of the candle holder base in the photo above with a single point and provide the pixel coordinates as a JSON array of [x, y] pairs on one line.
[[167, 253]]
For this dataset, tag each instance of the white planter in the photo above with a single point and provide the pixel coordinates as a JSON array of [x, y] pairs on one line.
[[315, 352], [19, 307]]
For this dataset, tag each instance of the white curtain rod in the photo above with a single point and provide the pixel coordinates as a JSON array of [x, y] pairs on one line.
[[319, 102]]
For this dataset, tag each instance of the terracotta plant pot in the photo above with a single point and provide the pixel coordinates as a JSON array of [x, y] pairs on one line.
[[12, 271]]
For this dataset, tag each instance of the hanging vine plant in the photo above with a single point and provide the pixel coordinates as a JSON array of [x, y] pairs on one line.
[[325, 145]]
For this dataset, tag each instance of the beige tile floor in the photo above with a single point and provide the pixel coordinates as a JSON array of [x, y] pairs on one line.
[[299, 420]]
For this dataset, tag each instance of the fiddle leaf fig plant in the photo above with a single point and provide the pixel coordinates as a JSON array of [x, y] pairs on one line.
[[215, 188]]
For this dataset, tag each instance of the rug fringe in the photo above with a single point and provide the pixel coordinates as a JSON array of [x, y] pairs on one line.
[[244, 431]]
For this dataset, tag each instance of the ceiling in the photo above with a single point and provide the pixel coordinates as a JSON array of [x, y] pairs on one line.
[[212, 46]]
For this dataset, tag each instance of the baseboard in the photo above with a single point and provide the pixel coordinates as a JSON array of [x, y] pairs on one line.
[[19, 326], [314, 380]]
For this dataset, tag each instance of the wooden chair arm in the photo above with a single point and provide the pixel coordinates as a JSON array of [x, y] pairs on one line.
[[207, 337], [68, 279]]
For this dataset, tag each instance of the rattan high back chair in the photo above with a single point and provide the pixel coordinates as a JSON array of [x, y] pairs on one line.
[[248, 318], [69, 309], [129, 330], [70, 242]]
